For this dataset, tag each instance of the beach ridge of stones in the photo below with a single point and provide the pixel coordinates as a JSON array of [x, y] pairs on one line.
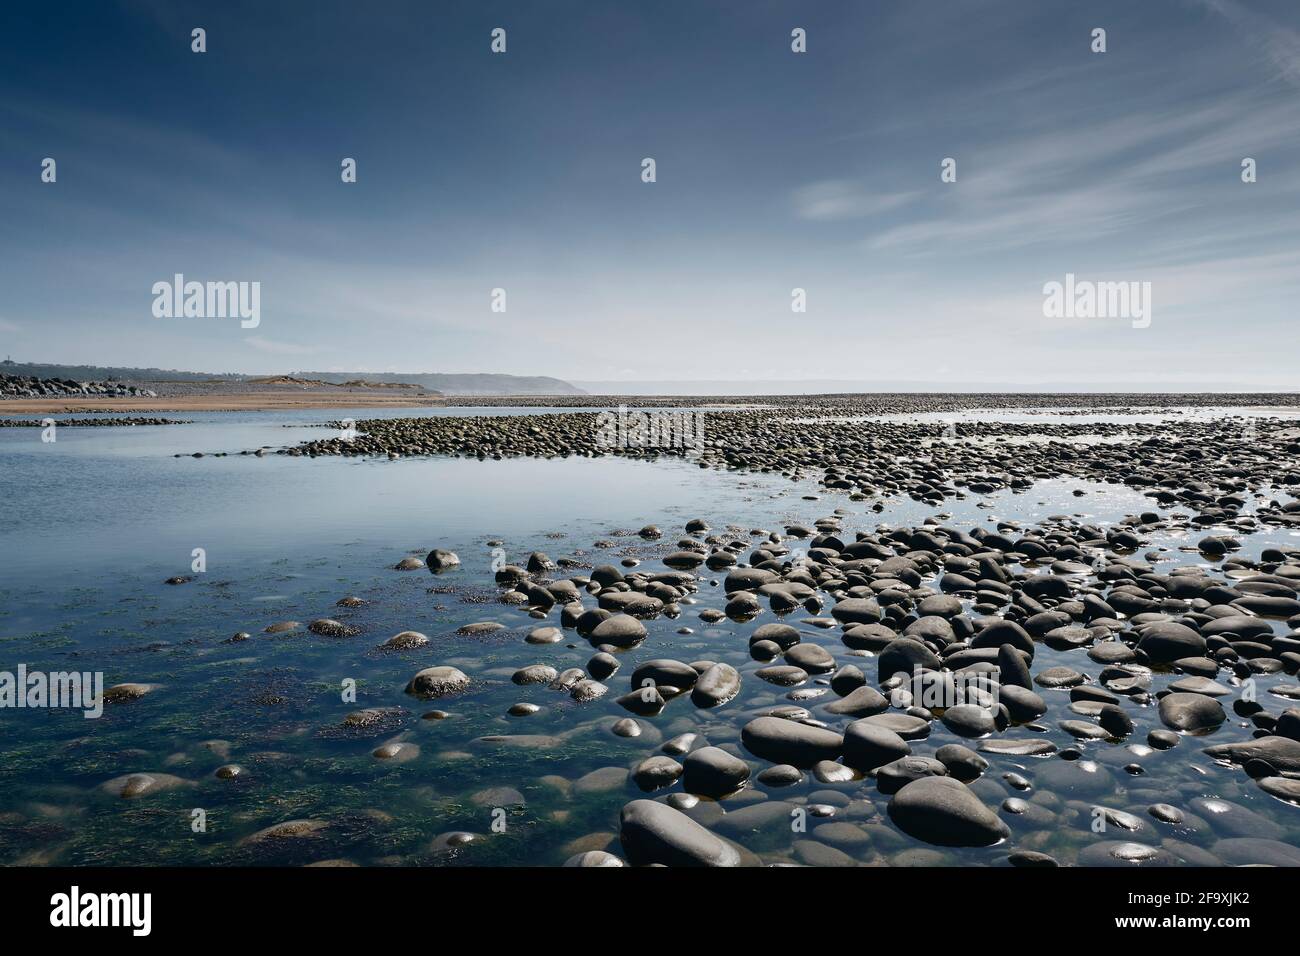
[[121, 421], [842, 439], [1052, 665]]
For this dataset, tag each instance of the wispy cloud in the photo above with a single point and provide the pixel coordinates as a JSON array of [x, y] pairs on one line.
[[1103, 177], [273, 347], [834, 199], [1279, 44]]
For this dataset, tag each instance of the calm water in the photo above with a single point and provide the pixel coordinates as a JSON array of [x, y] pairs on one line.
[[94, 523]]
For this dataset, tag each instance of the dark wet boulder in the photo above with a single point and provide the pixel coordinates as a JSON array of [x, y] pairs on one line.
[[783, 675], [653, 832], [1256, 851], [1114, 720], [812, 658], [1012, 668], [644, 701], [1166, 641], [1124, 853], [634, 603], [441, 560], [588, 619], [963, 763], [587, 690], [942, 605], [328, 627], [848, 679], [902, 656], [1243, 626], [970, 720], [931, 629], [716, 686], [909, 726], [748, 579], [1229, 819], [606, 574], [1281, 753], [712, 772], [656, 772], [620, 630], [868, 746], [857, 611], [435, 682], [781, 775], [664, 672], [535, 674], [869, 637], [1112, 652], [1031, 858], [789, 742], [770, 818], [783, 635], [862, 702], [1022, 704], [1004, 632], [1191, 713], [602, 665], [896, 774], [1283, 788], [1058, 677], [1288, 723], [944, 811]]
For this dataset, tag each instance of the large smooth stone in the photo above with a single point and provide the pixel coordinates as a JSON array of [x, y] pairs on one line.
[[1124, 853], [621, 630], [1166, 641], [861, 702], [969, 720], [1004, 632], [856, 611], [868, 746], [787, 741], [662, 672], [437, 682], [902, 656], [1282, 753], [712, 772], [653, 832], [1252, 851], [944, 811], [716, 686], [1191, 713], [1230, 819]]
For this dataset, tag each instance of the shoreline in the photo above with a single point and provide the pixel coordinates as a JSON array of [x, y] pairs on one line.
[[240, 402]]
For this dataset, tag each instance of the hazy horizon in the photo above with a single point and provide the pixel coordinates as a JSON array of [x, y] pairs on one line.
[[775, 170]]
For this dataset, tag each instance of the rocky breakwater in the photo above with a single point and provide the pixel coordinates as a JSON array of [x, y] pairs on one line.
[[120, 421], [28, 386]]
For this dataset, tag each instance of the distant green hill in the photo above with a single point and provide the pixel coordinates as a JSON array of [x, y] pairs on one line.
[[460, 384], [102, 373]]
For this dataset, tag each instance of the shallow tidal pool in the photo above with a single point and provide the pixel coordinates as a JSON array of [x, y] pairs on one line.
[[95, 524]]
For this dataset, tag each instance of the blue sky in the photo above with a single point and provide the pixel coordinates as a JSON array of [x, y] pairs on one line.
[[775, 171]]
